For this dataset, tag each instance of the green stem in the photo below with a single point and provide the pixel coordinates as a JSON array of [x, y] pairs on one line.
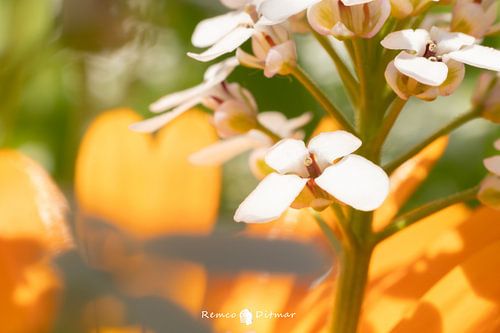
[[328, 232], [361, 72], [461, 120], [275, 137], [321, 98], [419, 213], [350, 289], [348, 79], [394, 111]]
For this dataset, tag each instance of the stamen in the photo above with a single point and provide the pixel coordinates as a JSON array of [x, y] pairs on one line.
[[431, 51], [312, 167]]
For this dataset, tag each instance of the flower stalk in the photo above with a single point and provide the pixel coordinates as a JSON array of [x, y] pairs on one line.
[[419, 213], [321, 98], [456, 123]]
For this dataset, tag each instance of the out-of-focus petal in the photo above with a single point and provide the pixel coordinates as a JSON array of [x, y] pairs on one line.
[[222, 151], [288, 156], [210, 31], [270, 198], [155, 123], [355, 2], [357, 182], [280, 58], [489, 193], [415, 40], [465, 300], [478, 56], [445, 240], [329, 146], [280, 10], [116, 167], [327, 124], [321, 17], [228, 43], [31, 205], [235, 4], [406, 179], [432, 73]]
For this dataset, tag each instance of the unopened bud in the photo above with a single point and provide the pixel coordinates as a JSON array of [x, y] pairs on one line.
[[273, 51], [486, 97]]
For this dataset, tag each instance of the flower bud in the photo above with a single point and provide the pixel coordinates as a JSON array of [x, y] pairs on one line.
[[273, 51], [489, 193], [405, 87], [474, 17], [234, 117], [487, 96], [333, 17]]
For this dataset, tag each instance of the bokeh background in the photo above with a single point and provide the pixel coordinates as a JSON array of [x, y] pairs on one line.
[[63, 62]]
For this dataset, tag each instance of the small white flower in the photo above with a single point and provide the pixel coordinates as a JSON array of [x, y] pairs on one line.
[[182, 101], [255, 140], [426, 54], [327, 168], [225, 33], [273, 51], [281, 10]]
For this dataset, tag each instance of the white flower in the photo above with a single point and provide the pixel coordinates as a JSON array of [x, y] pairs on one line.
[[281, 10], [180, 102], [327, 168], [255, 140], [489, 193], [474, 17], [273, 51], [225, 33], [426, 54]]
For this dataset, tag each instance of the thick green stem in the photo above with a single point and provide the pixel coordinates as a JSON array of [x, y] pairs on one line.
[[347, 78], [419, 213], [461, 120], [321, 98], [350, 289]]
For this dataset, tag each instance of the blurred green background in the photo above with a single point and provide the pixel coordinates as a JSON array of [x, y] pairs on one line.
[[64, 61]]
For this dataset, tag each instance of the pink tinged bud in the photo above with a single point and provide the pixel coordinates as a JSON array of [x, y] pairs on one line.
[[489, 193], [273, 51], [405, 87], [332, 17], [487, 96], [474, 18]]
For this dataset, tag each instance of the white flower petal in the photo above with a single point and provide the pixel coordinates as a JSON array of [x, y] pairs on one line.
[[224, 150], [354, 2], [288, 156], [227, 44], [449, 41], [235, 4], [497, 144], [210, 31], [357, 182], [294, 124], [478, 56], [220, 71], [270, 199], [329, 146], [153, 124], [414, 40], [169, 101], [432, 73], [492, 164], [280, 10]]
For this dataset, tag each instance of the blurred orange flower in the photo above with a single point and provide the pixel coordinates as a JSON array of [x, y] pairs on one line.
[[32, 229]]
